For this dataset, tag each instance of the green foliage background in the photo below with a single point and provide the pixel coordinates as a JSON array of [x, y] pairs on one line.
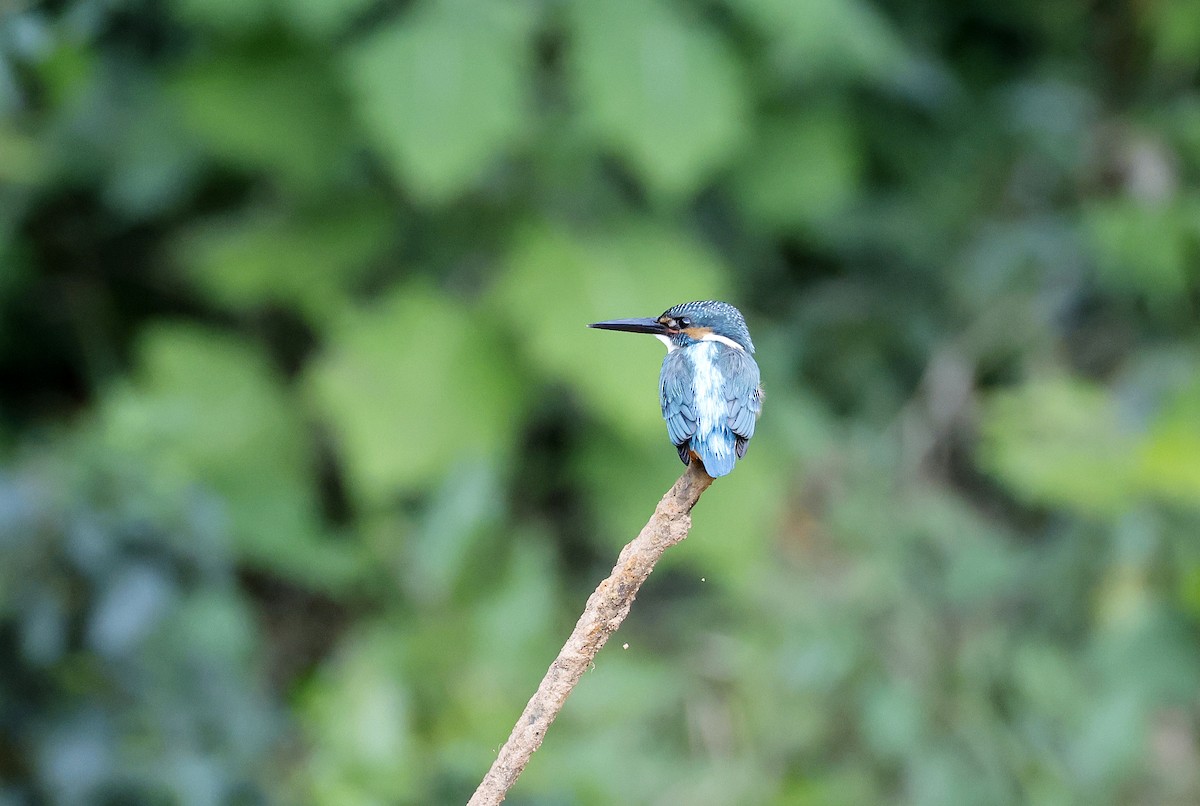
[[308, 462]]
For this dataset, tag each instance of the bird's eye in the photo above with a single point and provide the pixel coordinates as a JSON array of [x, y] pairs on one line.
[[685, 322]]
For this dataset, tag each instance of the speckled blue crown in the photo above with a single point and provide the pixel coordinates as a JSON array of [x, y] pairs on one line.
[[724, 319]]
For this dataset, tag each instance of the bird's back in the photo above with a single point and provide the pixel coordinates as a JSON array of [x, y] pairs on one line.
[[697, 385]]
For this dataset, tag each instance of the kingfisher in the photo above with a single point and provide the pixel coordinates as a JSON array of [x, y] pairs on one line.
[[709, 385]]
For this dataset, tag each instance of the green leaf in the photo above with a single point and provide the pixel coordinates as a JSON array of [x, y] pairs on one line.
[[411, 385], [1109, 741], [273, 112], [225, 16], [1170, 458], [623, 480], [206, 408], [442, 92], [633, 270], [514, 629], [1058, 441], [359, 722], [1173, 30], [437, 556], [309, 259], [803, 169], [22, 158], [212, 624], [1150, 655], [894, 719], [658, 89], [816, 40], [1142, 248], [321, 19], [152, 166]]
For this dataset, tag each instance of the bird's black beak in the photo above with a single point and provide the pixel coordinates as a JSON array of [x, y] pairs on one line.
[[633, 326]]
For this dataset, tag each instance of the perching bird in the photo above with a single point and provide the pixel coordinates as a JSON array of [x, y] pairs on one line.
[[709, 385]]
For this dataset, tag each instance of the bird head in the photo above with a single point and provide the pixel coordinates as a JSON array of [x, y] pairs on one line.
[[690, 323]]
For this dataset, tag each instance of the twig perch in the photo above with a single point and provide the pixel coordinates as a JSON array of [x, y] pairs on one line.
[[606, 609]]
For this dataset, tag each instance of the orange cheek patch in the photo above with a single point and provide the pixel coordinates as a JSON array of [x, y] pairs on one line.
[[698, 333]]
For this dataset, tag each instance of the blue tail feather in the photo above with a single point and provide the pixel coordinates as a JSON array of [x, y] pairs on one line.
[[717, 452]]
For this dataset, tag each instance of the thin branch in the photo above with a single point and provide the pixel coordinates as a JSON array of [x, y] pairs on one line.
[[606, 609]]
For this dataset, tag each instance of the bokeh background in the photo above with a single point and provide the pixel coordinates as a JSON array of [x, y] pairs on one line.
[[308, 462]]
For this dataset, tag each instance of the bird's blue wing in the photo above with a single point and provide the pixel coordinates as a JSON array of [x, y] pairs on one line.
[[743, 394], [677, 396]]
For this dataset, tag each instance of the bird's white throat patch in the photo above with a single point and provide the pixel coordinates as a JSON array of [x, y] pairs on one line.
[[728, 342], [714, 337]]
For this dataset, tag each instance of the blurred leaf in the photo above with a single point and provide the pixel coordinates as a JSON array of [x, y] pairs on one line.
[[137, 693], [22, 159], [216, 626], [442, 91], [633, 270], [154, 167], [1110, 740], [821, 39], [132, 604], [720, 780], [309, 259], [468, 502], [500, 649], [1170, 459], [1058, 441], [1052, 115], [1188, 585], [75, 754], [1142, 248], [800, 171], [411, 385], [225, 16], [277, 112], [318, 19], [849, 784], [517, 622], [1183, 126], [70, 74], [321, 19], [1148, 657], [1046, 677], [360, 728], [621, 713], [893, 719], [1173, 27], [207, 409], [658, 89], [939, 775], [116, 126], [624, 480]]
